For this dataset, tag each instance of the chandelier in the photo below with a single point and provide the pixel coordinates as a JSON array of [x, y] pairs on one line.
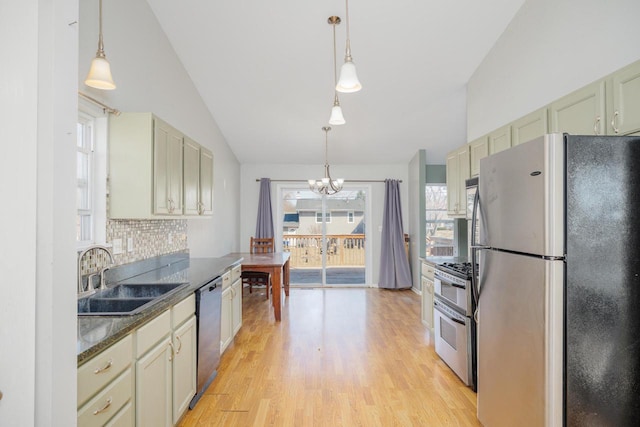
[[326, 185]]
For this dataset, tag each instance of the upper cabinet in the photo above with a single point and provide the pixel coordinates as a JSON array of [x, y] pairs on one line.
[[500, 139], [156, 172], [477, 150], [624, 117], [581, 112], [458, 171], [529, 127]]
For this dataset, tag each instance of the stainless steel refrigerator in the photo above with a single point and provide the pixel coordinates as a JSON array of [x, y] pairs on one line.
[[559, 285]]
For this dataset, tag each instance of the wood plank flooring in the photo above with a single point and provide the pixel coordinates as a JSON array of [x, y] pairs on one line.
[[340, 357]]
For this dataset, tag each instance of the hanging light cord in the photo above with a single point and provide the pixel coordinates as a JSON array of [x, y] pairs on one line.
[[335, 73], [347, 55]]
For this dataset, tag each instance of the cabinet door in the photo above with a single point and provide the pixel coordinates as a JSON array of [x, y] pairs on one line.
[[500, 140], [452, 183], [477, 150], [206, 182], [427, 302], [184, 367], [167, 169], [191, 177], [464, 173], [625, 118], [153, 386], [580, 113], [236, 308], [226, 334], [529, 127]]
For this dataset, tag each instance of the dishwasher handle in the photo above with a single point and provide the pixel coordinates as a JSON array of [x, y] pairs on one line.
[[210, 286]]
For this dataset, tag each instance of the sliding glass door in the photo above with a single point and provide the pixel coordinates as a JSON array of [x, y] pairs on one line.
[[325, 235]]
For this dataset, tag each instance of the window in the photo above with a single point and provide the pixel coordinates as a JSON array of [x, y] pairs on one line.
[[91, 174], [327, 217], [85, 179], [350, 217], [440, 228]]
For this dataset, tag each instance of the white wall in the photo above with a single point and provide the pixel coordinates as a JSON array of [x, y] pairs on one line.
[[150, 77], [551, 48], [250, 189]]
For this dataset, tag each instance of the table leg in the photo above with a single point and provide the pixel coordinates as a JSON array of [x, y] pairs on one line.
[[285, 269], [276, 293]]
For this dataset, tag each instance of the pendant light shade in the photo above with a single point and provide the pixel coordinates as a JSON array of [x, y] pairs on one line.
[[99, 75], [336, 117], [348, 81]]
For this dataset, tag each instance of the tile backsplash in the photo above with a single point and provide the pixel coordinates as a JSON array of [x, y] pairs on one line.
[[149, 238]]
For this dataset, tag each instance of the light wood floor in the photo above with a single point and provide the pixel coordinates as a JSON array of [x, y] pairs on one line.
[[340, 357]]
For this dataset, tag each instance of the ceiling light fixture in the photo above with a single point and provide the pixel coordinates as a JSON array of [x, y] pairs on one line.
[[336, 111], [326, 185], [99, 75], [348, 78]]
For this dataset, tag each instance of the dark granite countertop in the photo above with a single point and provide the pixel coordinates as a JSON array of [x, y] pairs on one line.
[[96, 333]]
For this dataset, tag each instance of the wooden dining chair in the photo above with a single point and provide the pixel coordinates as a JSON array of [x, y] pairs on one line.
[[253, 279]]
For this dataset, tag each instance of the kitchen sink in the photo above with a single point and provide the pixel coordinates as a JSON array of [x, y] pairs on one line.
[[146, 290], [126, 299]]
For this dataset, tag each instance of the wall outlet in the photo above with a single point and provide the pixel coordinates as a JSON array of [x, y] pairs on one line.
[[130, 244], [117, 246]]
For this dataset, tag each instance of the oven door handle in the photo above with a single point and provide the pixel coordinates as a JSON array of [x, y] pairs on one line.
[[455, 285], [448, 316]]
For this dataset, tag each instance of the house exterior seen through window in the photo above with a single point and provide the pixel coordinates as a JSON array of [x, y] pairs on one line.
[[439, 227]]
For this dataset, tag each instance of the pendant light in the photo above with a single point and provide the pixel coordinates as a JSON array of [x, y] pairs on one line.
[[348, 82], [336, 117], [326, 185], [99, 75]]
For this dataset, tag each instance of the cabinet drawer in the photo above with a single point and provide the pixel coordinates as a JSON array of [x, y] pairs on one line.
[[183, 310], [107, 403], [226, 280], [124, 418], [427, 270], [152, 332], [236, 272], [103, 368]]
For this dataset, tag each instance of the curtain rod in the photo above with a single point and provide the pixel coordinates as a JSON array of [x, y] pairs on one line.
[[105, 107], [346, 180]]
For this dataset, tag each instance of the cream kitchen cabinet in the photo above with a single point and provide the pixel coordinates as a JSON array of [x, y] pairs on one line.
[[500, 139], [156, 172], [198, 179], [106, 385], [624, 111], [529, 127], [426, 278], [477, 150], [231, 316], [458, 171], [166, 365], [581, 112]]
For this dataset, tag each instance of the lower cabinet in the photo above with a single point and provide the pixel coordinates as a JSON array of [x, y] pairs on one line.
[[426, 275], [231, 316], [147, 378]]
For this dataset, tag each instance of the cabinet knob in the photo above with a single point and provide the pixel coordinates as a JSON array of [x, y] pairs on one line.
[[1, 395], [614, 122]]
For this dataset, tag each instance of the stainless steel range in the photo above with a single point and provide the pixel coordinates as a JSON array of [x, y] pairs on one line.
[[455, 327]]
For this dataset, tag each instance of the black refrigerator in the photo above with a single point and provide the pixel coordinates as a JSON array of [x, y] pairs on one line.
[[559, 283]]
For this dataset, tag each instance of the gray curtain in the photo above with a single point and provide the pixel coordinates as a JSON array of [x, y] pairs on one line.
[[394, 265], [264, 223]]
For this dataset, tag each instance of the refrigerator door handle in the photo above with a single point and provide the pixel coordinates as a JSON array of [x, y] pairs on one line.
[[475, 286]]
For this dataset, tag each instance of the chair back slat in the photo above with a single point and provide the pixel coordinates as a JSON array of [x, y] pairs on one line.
[[262, 245]]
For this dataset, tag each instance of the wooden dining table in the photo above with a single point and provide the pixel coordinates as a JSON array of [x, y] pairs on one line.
[[276, 264]]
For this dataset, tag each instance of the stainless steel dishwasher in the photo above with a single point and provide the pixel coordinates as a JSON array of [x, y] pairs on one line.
[[208, 309]]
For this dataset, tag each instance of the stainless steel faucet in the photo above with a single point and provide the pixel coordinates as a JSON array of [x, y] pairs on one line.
[[81, 287]]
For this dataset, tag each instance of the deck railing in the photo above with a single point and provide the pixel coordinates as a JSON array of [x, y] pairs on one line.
[[342, 250]]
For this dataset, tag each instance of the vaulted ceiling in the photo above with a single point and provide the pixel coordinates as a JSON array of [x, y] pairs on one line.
[[265, 71]]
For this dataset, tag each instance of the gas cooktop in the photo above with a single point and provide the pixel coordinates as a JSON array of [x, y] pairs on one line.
[[459, 269]]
